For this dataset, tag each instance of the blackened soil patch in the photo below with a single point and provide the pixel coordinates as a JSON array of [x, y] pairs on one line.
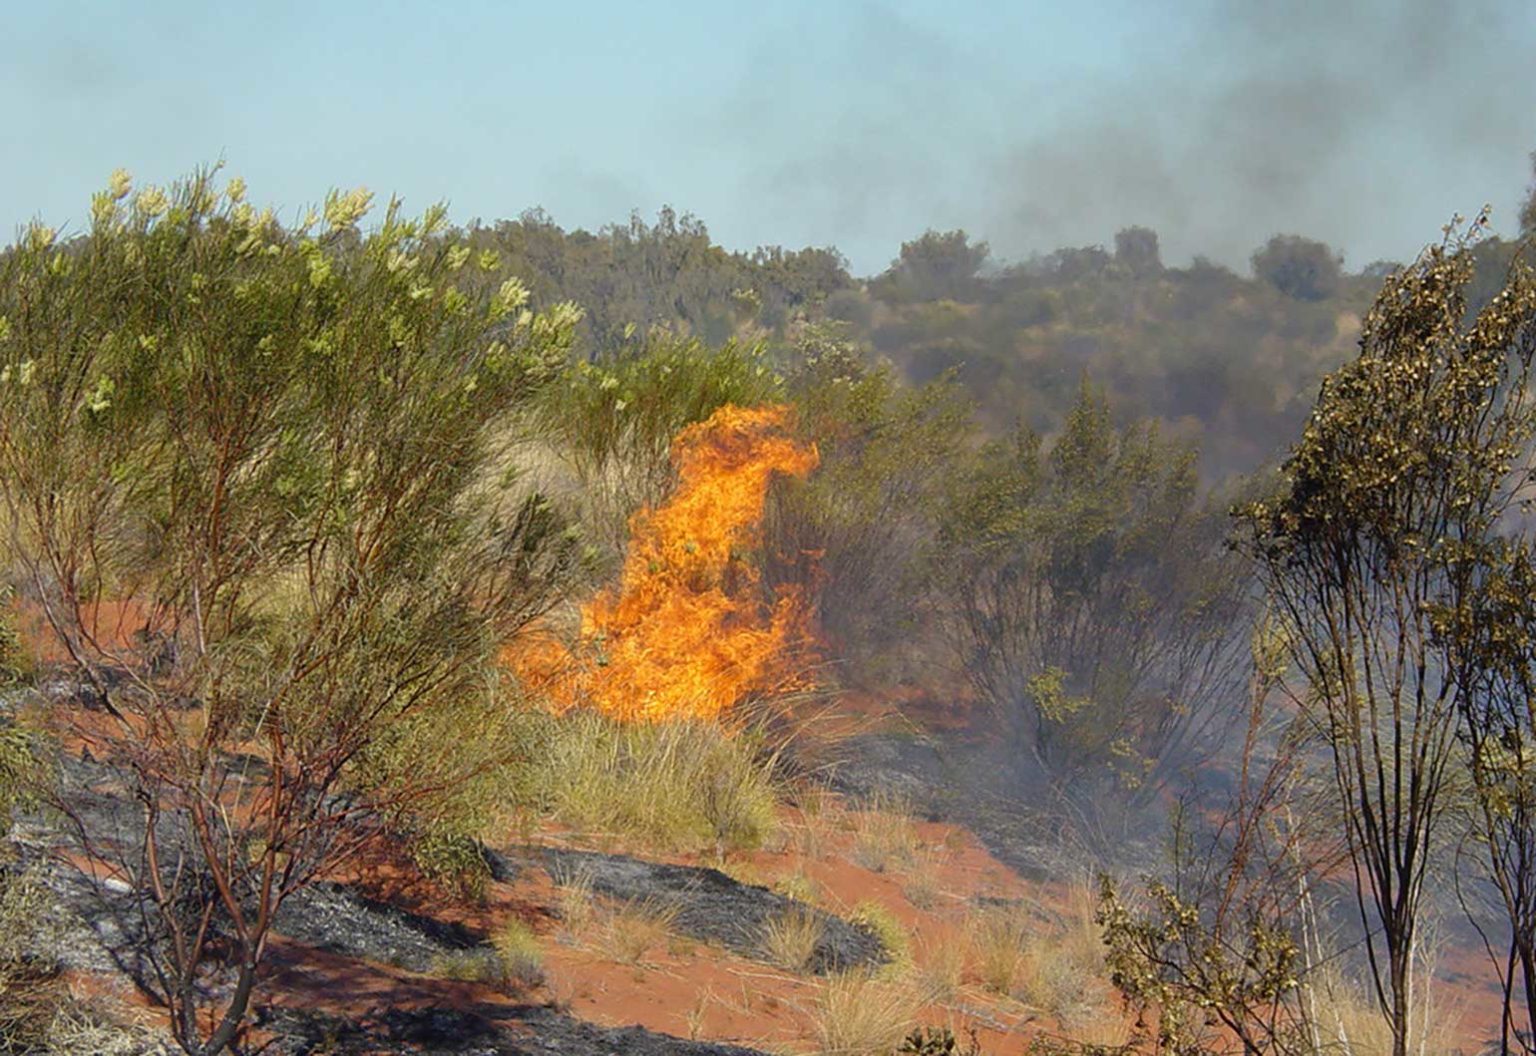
[[516, 1031], [712, 907], [339, 919]]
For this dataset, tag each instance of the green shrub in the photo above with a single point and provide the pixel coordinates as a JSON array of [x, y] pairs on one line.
[[15, 661]]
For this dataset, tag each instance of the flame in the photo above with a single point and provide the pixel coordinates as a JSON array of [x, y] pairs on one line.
[[689, 630]]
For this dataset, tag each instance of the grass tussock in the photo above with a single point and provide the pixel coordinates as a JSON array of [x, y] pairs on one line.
[[880, 922], [637, 929], [998, 938], [884, 837], [790, 939], [522, 960], [673, 786], [858, 1014], [576, 907], [938, 967]]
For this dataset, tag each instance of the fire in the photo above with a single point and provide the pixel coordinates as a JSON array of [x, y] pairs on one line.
[[689, 630]]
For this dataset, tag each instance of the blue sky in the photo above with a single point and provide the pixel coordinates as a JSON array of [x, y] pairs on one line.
[[854, 124]]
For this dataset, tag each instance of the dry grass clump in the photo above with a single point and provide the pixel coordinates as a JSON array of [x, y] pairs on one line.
[[522, 960], [512, 961], [635, 929], [998, 938], [938, 967], [858, 1014], [1062, 969], [32, 994], [797, 886], [1351, 1024], [481, 964], [675, 786], [883, 835], [576, 907], [789, 939], [921, 883]]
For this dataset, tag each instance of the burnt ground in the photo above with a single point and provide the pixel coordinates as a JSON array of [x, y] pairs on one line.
[[712, 907], [98, 928], [975, 783], [520, 1030]]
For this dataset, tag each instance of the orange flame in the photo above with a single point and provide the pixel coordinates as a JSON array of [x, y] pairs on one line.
[[689, 630]]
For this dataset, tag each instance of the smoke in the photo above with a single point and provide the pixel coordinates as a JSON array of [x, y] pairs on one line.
[[1364, 124]]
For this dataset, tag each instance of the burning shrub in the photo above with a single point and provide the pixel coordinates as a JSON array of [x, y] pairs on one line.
[[689, 631]]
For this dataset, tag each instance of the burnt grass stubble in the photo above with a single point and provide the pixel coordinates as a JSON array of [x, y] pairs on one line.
[[97, 927]]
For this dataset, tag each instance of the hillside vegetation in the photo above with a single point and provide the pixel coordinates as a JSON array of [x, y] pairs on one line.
[[370, 547]]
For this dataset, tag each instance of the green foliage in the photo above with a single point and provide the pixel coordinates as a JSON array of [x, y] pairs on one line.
[[864, 517], [1196, 979], [286, 446], [1093, 602], [15, 663], [454, 860]]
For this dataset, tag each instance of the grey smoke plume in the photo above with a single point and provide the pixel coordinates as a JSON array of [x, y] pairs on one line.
[[1363, 123]]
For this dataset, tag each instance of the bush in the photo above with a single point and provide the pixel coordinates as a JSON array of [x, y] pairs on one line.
[[289, 444], [869, 511], [1092, 601]]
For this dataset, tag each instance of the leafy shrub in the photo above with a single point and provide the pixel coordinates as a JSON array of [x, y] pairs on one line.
[[455, 861], [289, 444], [1093, 602]]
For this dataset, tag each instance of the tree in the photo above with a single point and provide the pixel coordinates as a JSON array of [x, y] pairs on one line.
[[1368, 550], [1094, 603], [1528, 208], [1299, 267], [279, 453], [936, 266], [1136, 251]]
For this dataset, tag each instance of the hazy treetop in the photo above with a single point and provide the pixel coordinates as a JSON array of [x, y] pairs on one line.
[[804, 123]]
